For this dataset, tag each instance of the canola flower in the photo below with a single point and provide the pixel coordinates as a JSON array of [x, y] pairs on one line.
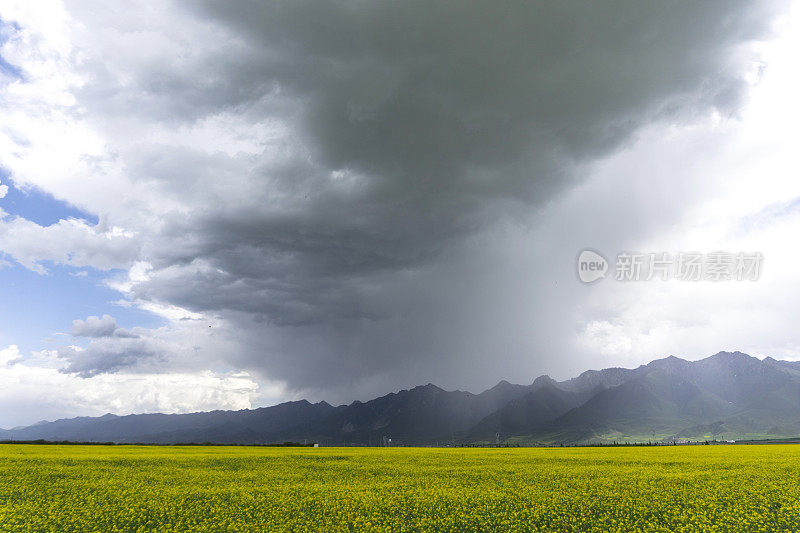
[[171, 489]]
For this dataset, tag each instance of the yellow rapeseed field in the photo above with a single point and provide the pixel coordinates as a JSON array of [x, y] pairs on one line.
[[142, 488]]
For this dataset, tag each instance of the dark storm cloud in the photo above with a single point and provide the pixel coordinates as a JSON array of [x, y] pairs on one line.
[[406, 130], [426, 97], [442, 116]]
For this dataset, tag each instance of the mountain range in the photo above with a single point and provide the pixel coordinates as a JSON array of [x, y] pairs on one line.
[[730, 395]]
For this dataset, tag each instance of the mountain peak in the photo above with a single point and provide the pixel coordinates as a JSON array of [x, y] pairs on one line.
[[543, 381], [502, 385], [731, 355], [670, 363], [430, 387]]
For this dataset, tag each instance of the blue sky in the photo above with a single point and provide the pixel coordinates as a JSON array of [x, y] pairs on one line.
[[37, 306], [6, 68]]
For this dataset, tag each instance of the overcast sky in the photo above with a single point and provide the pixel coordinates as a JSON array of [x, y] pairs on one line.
[[225, 205]]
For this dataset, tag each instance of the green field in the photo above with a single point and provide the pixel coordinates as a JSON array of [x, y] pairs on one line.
[[141, 488]]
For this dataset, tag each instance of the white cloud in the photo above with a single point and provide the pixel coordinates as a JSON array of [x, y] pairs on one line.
[[108, 354], [34, 390], [9, 354], [105, 326], [70, 242], [93, 326]]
